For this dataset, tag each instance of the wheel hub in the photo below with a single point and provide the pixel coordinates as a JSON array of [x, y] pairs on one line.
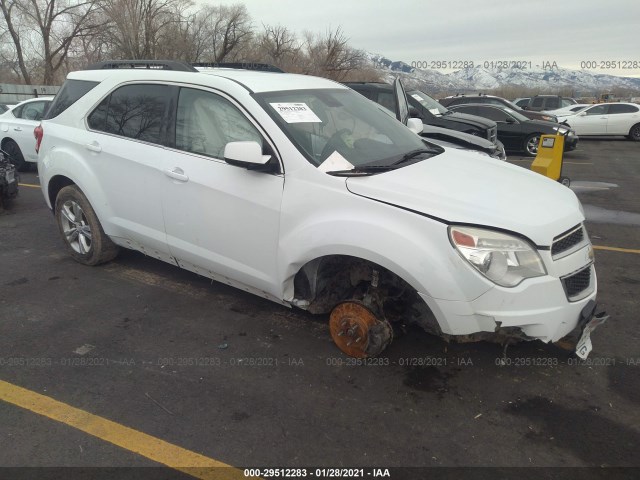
[[350, 324]]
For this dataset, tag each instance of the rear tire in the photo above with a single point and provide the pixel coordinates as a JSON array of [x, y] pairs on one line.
[[80, 228], [15, 156], [634, 133], [531, 144]]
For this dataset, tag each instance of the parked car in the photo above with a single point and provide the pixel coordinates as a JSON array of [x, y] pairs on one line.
[[429, 110], [609, 119], [570, 110], [16, 131], [548, 103], [493, 100], [3, 107], [517, 132], [435, 115], [300, 190], [8, 180]]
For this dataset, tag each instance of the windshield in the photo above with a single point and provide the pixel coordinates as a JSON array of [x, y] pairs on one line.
[[340, 124], [429, 103]]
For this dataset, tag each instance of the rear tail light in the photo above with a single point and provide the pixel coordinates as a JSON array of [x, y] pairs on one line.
[[38, 132]]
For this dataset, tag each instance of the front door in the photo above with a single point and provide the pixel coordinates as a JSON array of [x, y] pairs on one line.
[[221, 220]]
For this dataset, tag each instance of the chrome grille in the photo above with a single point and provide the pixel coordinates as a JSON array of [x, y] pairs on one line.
[[493, 134], [577, 283], [567, 240]]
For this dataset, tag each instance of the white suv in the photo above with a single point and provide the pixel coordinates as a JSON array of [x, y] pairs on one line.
[[302, 191]]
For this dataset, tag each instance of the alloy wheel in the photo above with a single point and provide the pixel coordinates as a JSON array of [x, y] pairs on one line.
[[75, 226]]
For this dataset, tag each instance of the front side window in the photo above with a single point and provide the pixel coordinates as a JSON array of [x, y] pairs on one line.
[[206, 122], [133, 111], [598, 110], [494, 114]]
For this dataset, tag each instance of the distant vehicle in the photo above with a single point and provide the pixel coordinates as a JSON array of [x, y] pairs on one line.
[[516, 131], [547, 103], [441, 126], [16, 131], [3, 107], [428, 109], [609, 119], [8, 180], [570, 110], [493, 100], [521, 102]]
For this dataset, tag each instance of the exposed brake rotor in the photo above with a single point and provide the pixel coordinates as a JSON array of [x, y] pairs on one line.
[[357, 331]]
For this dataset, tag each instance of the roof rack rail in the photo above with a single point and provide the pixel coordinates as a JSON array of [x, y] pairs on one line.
[[175, 65], [262, 67]]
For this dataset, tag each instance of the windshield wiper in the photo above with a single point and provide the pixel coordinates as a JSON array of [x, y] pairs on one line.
[[363, 170], [413, 153]]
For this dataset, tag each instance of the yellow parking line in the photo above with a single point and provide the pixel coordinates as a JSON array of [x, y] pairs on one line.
[[29, 185], [150, 447], [616, 249]]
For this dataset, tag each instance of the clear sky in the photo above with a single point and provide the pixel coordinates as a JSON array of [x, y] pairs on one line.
[[567, 32]]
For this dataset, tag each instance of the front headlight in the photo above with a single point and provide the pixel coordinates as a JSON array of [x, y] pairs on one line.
[[547, 118], [561, 130], [504, 259]]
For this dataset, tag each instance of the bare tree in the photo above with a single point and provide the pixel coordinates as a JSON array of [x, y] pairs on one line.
[[47, 28], [330, 55], [229, 31], [144, 29]]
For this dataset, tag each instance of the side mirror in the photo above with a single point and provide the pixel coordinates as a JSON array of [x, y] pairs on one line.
[[582, 114], [415, 125], [245, 154], [509, 120], [525, 107]]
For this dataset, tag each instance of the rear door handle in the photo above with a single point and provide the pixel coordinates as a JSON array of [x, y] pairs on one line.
[[17, 129], [177, 174], [93, 147]]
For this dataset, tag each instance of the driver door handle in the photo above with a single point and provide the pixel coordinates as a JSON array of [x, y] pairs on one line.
[[93, 147], [17, 129], [177, 174]]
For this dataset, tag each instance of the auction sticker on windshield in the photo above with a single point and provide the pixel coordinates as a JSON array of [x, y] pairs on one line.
[[296, 112]]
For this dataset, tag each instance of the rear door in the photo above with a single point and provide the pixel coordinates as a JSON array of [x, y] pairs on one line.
[[124, 148], [621, 118]]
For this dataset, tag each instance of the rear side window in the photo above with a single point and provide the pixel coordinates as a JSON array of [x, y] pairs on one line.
[[133, 111], [537, 102], [71, 92], [617, 108]]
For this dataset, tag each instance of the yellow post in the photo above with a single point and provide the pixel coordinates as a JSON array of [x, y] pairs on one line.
[[548, 161]]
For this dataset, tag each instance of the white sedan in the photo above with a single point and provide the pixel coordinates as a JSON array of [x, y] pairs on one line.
[[607, 119], [16, 131]]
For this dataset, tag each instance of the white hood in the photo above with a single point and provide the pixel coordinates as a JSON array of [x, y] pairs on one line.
[[459, 187]]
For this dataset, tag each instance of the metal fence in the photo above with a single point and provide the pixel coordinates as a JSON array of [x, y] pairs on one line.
[[11, 94]]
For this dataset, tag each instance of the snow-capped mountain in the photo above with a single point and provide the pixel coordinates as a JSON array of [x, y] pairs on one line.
[[479, 78]]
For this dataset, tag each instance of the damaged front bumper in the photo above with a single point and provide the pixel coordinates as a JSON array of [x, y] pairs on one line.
[[579, 339]]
